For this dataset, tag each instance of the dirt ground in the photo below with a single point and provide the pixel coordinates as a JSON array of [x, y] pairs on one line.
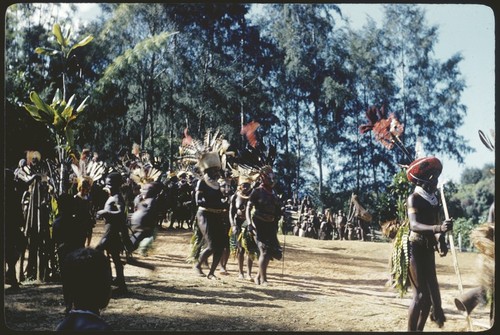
[[326, 286]]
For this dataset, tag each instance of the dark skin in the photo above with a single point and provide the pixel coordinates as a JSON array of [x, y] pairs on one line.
[[212, 174], [226, 192], [237, 212], [114, 214], [268, 182], [425, 288]]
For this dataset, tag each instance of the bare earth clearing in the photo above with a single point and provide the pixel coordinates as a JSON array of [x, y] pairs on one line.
[[327, 286]]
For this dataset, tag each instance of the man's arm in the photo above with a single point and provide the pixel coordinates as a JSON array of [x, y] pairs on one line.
[[420, 227]]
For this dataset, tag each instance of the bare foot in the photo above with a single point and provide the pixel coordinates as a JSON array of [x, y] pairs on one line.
[[198, 271]]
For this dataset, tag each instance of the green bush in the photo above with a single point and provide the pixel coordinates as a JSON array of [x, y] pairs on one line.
[[463, 227]]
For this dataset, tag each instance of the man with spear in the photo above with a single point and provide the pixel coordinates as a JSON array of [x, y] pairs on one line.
[[427, 232], [427, 235]]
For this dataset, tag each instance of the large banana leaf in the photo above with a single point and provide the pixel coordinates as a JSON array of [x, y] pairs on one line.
[[67, 37], [35, 113], [64, 42], [59, 114], [83, 42], [46, 51], [56, 30], [42, 106]]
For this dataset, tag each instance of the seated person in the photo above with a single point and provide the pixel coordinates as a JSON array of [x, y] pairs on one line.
[[88, 282]]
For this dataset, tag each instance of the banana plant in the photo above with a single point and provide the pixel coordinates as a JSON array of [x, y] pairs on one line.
[[65, 49], [60, 114]]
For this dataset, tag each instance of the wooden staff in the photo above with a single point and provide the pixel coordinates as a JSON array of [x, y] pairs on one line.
[[453, 251]]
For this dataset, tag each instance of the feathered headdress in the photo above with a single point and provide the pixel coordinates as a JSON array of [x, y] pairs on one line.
[[254, 159], [210, 152], [245, 173], [94, 170], [145, 174], [255, 154], [386, 131], [249, 131], [32, 155]]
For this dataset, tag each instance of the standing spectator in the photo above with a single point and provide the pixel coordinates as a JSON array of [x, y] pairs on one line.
[[172, 194], [88, 283], [182, 211], [83, 207], [330, 221], [263, 213], [315, 223], [14, 240], [340, 224], [325, 230], [69, 234], [288, 219]]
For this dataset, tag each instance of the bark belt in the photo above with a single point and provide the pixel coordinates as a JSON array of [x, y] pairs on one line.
[[213, 210], [424, 240]]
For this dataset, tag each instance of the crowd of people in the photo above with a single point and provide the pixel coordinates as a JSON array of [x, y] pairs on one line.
[[302, 218], [134, 199], [230, 211]]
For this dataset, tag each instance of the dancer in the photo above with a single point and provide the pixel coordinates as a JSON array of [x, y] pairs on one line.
[[239, 226], [263, 213], [210, 213], [115, 228]]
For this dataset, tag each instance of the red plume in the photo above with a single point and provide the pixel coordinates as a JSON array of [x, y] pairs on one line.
[[249, 131], [386, 131], [374, 115], [187, 140]]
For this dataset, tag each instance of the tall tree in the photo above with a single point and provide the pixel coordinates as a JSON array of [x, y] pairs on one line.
[[313, 60], [429, 90], [396, 71]]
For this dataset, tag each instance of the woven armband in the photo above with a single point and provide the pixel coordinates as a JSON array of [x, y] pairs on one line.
[[412, 210], [436, 229]]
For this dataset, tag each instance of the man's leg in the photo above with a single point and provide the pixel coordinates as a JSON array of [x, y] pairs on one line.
[[120, 276]]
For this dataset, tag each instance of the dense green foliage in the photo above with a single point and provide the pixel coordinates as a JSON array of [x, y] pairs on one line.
[[153, 70]]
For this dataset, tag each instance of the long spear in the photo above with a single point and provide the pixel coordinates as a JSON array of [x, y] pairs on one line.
[[453, 251]]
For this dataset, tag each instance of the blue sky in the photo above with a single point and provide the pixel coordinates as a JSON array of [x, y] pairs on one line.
[[470, 30], [465, 28]]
